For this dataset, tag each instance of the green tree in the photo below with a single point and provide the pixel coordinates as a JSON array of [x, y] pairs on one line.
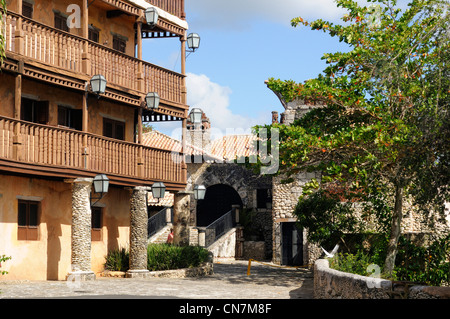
[[382, 132]]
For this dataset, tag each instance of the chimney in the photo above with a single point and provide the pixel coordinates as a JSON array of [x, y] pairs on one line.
[[274, 117]]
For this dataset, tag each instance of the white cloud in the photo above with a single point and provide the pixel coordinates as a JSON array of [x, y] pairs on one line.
[[237, 14], [214, 100]]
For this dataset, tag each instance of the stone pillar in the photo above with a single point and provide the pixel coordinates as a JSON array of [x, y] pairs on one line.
[[181, 214], [81, 229], [201, 236], [138, 232]]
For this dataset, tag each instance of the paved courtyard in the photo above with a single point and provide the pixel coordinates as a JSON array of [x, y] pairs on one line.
[[230, 281]]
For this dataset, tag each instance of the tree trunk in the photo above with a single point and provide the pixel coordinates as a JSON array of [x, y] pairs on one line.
[[395, 231]]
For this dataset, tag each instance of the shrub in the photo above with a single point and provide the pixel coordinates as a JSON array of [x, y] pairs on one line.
[[159, 257], [351, 263], [165, 257], [424, 264], [118, 260]]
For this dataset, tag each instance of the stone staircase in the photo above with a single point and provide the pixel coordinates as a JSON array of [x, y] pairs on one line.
[[161, 236]]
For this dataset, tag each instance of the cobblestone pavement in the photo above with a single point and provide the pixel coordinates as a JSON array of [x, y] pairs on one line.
[[230, 281]]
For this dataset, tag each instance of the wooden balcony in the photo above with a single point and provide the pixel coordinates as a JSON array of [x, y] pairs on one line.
[[44, 150], [81, 58], [175, 7]]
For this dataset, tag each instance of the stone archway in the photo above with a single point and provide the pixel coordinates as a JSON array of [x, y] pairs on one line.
[[218, 200]]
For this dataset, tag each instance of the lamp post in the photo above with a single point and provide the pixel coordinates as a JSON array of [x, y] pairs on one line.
[[151, 15], [152, 100], [101, 185]]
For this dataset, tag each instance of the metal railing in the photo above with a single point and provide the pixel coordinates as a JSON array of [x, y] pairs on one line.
[[157, 222], [218, 228]]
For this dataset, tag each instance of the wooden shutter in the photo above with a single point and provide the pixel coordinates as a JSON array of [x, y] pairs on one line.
[[27, 10]]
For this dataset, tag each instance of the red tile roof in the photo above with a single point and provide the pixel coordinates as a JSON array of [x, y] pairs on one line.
[[224, 148]]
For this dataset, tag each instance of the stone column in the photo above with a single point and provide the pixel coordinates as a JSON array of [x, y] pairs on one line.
[[138, 232], [81, 229], [181, 207], [201, 236]]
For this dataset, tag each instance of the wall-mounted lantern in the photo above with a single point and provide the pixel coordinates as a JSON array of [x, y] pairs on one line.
[[193, 42], [196, 116], [152, 100], [199, 192], [151, 15], [101, 185], [98, 84], [158, 190]]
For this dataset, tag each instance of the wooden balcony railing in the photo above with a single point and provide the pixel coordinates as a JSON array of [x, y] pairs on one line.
[[175, 7], [61, 148], [64, 50]]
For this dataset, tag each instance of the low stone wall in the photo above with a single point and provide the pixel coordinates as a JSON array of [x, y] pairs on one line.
[[203, 270], [333, 284]]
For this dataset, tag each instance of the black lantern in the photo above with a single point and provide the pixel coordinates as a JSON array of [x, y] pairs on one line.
[[152, 99], [158, 190], [98, 84], [193, 41], [196, 116], [199, 191], [151, 15]]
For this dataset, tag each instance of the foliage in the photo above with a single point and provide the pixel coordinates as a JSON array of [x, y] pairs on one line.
[[159, 257], [424, 264], [3, 258], [352, 263], [118, 260], [325, 217], [165, 256], [382, 129]]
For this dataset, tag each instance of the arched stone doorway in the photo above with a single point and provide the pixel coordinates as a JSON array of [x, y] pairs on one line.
[[218, 200]]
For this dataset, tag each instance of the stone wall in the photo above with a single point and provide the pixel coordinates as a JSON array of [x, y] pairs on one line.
[[254, 250], [245, 182], [333, 284], [285, 198]]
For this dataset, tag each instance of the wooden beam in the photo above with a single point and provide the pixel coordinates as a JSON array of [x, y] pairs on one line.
[[85, 58]]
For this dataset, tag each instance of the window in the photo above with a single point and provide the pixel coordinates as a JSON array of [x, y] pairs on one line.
[[93, 34], [27, 10], [114, 129], [119, 44], [69, 117], [34, 111], [61, 22], [97, 224], [28, 220], [263, 197]]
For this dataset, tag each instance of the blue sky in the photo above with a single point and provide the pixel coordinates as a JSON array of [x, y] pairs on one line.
[[243, 43]]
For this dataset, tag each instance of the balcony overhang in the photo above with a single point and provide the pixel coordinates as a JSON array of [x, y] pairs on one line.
[[168, 24], [29, 68]]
